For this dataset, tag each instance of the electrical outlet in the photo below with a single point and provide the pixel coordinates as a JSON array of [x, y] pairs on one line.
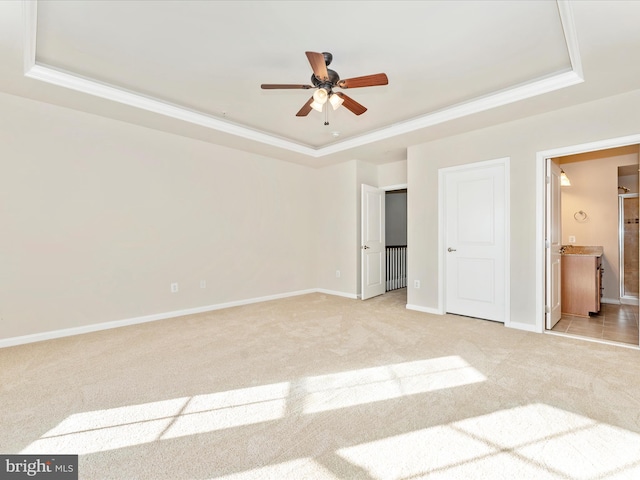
[[572, 239], [174, 287], [337, 273], [203, 284], [416, 284]]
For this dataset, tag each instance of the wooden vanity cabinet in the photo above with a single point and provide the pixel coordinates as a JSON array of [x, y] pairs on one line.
[[581, 284]]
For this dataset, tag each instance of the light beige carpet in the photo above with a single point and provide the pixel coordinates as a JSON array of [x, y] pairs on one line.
[[322, 387]]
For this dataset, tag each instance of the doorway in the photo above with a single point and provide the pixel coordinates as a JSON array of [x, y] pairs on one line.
[[383, 240], [589, 218], [396, 239]]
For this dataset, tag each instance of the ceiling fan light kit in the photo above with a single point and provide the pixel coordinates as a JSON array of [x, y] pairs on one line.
[[325, 80], [317, 106], [321, 95], [335, 101]]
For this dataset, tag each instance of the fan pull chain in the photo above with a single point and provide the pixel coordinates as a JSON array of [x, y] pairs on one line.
[[326, 113]]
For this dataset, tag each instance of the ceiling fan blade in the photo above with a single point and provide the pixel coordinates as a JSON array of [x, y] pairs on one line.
[[318, 65], [304, 111], [366, 81], [351, 104], [278, 86]]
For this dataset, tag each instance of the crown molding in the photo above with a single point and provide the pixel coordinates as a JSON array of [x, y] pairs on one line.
[[126, 97], [540, 86], [30, 29], [570, 36]]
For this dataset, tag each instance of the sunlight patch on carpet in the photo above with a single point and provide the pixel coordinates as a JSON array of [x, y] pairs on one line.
[[112, 428], [367, 385], [532, 441]]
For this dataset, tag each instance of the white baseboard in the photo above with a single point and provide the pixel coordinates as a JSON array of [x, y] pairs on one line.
[[417, 308], [620, 301], [67, 332], [527, 327], [337, 294], [612, 301], [628, 301]]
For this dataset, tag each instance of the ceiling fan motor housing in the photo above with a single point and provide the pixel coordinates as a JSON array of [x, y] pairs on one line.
[[334, 78]]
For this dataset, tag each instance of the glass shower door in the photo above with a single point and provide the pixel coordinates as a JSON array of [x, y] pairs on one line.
[[629, 247]]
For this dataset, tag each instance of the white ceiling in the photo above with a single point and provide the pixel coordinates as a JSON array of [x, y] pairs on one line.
[[195, 68]]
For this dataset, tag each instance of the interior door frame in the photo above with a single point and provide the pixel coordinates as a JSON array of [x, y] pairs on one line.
[[541, 210], [553, 243], [504, 161]]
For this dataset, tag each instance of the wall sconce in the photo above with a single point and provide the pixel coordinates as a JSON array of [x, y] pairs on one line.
[[564, 180]]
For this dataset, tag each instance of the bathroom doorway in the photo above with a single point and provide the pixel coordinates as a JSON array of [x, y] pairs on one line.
[[593, 214]]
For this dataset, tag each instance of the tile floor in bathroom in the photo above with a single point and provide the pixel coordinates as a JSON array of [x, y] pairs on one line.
[[616, 323]]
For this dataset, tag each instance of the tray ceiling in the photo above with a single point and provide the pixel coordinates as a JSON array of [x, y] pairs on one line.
[[203, 62]]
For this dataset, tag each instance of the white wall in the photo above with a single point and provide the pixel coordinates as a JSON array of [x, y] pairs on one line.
[[98, 217], [520, 140], [392, 174], [594, 190], [337, 229]]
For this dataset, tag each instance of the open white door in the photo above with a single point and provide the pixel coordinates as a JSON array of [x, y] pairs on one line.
[[553, 244], [475, 242], [372, 256]]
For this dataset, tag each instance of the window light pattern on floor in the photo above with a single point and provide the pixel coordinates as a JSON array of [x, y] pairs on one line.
[[533, 441], [358, 387], [108, 429]]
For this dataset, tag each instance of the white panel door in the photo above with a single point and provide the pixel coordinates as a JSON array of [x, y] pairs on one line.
[[373, 244], [552, 247], [475, 241]]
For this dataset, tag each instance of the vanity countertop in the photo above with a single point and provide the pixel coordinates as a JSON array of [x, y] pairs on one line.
[[583, 250]]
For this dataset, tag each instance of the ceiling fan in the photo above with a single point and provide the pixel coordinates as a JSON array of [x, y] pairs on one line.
[[325, 80]]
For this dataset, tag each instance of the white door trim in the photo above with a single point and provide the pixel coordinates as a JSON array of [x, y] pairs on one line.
[[391, 188], [541, 208], [507, 240], [553, 244]]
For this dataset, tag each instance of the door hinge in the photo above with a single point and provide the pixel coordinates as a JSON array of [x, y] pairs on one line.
[[547, 244], [547, 309], [548, 179]]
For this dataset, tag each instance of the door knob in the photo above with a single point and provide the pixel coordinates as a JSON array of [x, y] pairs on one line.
[[451, 249]]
